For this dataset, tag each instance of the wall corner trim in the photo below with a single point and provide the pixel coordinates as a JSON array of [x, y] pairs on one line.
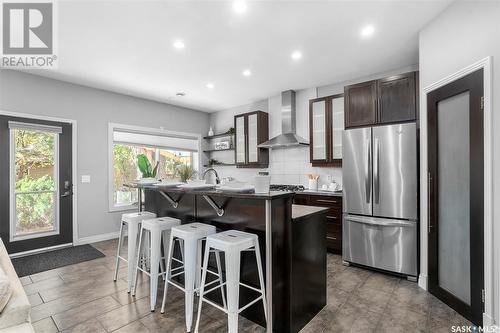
[[422, 281]]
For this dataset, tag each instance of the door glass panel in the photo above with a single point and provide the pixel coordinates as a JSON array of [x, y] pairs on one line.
[[454, 196], [34, 167], [337, 126], [318, 128], [252, 138], [240, 140]]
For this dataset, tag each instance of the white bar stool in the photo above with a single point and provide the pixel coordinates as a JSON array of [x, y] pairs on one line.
[[190, 236], [158, 228], [232, 243], [132, 221]]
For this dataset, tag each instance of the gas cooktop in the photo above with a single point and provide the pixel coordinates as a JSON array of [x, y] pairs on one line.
[[291, 188]]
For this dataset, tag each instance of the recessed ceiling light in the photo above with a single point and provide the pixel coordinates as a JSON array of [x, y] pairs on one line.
[[239, 6], [210, 85], [247, 72], [179, 44], [296, 55], [367, 31], [180, 94]]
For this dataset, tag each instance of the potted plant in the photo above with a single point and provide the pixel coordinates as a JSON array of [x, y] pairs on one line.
[[185, 172], [146, 169]]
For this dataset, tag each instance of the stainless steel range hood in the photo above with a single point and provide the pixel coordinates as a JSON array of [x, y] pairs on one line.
[[288, 137]]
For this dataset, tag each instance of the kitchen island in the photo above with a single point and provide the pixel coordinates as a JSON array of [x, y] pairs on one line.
[[292, 242]]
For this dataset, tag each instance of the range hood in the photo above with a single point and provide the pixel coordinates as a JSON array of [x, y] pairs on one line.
[[288, 137]]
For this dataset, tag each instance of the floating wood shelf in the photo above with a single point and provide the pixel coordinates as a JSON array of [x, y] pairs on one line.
[[212, 150], [220, 135], [219, 164]]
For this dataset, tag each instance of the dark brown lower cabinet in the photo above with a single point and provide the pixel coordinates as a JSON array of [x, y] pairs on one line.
[[333, 217]]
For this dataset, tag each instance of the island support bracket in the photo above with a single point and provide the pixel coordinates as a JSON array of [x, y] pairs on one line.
[[211, 202], [174, 203]]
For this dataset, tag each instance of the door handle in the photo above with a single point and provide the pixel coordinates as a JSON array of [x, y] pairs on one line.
[[367, 172], [66, 194], [376, 187]]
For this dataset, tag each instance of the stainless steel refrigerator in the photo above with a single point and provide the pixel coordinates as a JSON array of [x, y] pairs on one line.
[[380, 226]]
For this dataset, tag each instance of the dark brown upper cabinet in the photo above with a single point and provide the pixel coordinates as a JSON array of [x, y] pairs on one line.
[[361, 104], [252, 129], [389, 100], [326, 124], [397, 98]]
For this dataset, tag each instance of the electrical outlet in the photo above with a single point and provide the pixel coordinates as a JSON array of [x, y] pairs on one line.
[[85, 178]]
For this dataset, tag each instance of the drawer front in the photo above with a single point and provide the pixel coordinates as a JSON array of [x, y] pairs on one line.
[[333, 243], [326, 201], [301, 199], [334, 236], [334, 230], [334, 216]]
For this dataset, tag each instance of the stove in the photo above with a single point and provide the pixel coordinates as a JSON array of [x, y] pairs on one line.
[[290, 188]]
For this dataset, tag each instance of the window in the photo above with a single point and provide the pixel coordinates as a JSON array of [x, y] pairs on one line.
[[167, 149], [34, 165]]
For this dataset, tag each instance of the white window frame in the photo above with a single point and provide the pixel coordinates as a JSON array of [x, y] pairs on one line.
[[12, 189], [112, 127]]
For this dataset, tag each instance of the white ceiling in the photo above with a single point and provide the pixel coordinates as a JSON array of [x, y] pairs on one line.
[[126, 46]]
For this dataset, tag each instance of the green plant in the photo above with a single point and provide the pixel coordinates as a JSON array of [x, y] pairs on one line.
[[185, 172], [171, 166], [145, 167], [34, 211]]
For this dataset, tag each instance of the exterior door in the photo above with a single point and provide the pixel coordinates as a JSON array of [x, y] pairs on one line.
[[35, 190], [456, 187], [357, 171], [395, 171]]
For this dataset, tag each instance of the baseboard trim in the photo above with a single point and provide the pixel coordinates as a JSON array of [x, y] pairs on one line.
[[488, 320], [98, 238], [422, 281]]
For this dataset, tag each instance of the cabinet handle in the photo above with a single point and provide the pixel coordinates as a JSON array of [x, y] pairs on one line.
[[327, 201], [331, 217], [334, 238]]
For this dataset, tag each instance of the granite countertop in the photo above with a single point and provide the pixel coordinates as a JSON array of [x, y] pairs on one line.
[[213, 192], [299, 211], [320, 192]]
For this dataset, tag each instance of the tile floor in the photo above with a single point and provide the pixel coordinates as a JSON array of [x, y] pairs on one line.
[[83, 298]]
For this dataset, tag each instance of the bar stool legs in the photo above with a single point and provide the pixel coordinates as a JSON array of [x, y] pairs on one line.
[[232, 243], [233, 289], [118, 251], [190, 241]]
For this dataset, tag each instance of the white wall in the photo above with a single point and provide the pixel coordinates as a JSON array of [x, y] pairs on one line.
[[288, 166], [93, 109], [463, 34]]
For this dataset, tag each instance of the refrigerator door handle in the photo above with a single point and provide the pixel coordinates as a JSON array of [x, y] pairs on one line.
[[367, 171], [379, 221], [376, 187]]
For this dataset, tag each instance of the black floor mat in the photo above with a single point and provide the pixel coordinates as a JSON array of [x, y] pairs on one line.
[[41, 262]]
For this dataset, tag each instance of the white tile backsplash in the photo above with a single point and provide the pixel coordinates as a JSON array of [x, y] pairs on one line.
[[286, 166]]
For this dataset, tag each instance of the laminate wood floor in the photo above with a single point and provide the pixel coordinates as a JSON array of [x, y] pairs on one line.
[[83, 298]]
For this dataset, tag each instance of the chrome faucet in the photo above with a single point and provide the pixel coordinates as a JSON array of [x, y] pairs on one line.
[[217, 179]]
